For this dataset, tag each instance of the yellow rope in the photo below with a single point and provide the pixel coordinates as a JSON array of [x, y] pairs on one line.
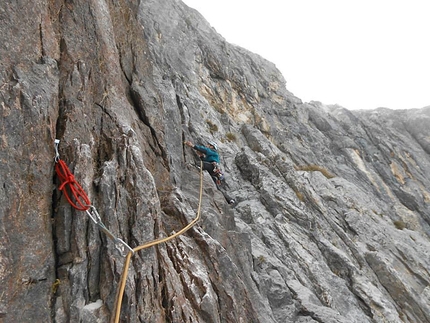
[[120, 293]]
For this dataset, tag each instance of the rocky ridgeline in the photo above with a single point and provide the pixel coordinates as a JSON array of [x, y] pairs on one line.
[[332, 216]]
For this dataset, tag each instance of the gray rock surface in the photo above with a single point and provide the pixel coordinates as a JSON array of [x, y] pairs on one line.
[[332, 221]]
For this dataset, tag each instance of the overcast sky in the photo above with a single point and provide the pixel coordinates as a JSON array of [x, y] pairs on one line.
[[361, 54]]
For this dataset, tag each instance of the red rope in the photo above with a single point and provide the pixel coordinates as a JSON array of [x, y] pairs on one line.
[[69, 186]]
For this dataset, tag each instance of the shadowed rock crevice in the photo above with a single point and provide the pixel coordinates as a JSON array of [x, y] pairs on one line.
[[139, 105]]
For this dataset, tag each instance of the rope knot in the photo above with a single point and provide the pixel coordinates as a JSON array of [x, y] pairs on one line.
[[69, 179]]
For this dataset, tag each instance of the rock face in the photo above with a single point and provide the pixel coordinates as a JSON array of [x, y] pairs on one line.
[[332, 221]]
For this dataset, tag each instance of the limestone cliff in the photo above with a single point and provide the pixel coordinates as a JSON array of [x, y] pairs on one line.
[[332, 216]]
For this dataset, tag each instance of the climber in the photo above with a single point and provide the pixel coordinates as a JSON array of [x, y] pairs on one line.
[[210, 158]]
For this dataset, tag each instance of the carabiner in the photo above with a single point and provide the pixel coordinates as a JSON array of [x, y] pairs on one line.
[[118, 242], [57, 154]]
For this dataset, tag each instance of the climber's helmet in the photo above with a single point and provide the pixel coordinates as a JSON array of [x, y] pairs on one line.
[[213, 144]]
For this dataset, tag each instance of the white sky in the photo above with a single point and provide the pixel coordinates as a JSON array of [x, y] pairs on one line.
[[361, 54]]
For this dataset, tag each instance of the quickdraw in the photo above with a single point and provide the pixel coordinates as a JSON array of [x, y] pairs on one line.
[[78, 199]]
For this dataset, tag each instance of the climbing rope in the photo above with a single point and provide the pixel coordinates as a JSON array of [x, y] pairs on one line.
[[80, 201], [71, 188], [121, 288]]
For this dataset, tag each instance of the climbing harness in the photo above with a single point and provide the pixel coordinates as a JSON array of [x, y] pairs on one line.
[[80, 201], [69, 184], [218, 174]]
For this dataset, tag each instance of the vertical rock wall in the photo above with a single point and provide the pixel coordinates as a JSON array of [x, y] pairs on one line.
[[332, 220]]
